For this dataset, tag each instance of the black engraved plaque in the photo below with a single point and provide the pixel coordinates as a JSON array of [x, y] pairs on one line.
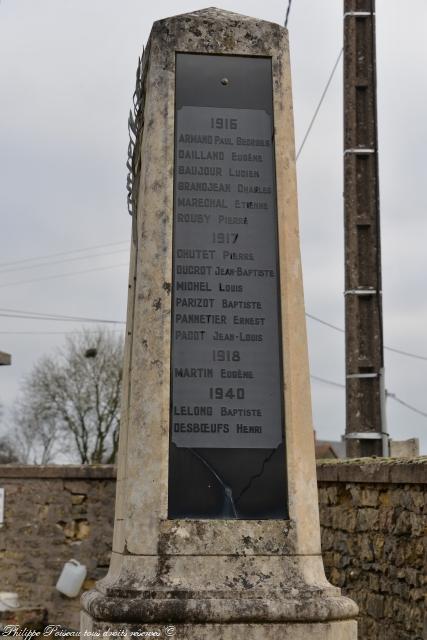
[[227, 421]]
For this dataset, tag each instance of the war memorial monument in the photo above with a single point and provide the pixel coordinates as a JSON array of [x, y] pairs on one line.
[[216, 522]]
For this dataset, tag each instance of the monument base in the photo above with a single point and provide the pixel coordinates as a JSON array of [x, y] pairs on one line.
[[336, 630], [224, 597]]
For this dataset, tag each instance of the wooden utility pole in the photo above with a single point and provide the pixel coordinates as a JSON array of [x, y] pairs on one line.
[[365, 395]]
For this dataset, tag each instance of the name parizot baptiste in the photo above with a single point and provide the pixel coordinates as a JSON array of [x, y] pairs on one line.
[[225, 360]]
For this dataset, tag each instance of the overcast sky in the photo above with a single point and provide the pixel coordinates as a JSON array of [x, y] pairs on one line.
[[67, 72]]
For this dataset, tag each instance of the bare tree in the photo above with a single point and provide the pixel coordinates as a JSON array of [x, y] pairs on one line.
[[70, 402], [8, 451], [38, 436]]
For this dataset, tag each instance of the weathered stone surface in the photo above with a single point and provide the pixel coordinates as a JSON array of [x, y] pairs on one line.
[[343, 630], [405, 448], [208, 571], [31, 618], [33, 549], [74, 471], [379, 470], [45, 526], [263, 537], [386, 547]]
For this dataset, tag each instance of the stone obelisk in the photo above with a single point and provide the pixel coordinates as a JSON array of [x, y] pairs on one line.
[[216, 525]]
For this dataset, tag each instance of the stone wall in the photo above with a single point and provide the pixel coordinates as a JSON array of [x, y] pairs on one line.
[[374, 522], [373, 515], [53, 514]]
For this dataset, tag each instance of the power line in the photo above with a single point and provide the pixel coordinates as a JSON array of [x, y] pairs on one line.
[[327, 324], [64, 275], [24, 317], [393, 396], [322, 97], [288, 10], [36, 315], [388, 394], [309, 315], [406, 353], [331, 382], [49, 333], [409, 354], [54, 318], [63, 253], [48, 264], [324, 322]]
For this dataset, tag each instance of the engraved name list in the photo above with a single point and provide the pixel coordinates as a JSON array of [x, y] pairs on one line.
[[226, 382]]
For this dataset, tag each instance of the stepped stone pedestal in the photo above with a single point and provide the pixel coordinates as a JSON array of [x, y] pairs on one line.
[[216, 525]]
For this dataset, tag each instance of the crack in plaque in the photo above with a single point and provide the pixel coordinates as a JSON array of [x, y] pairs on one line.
[[229, 508], [256, 475]]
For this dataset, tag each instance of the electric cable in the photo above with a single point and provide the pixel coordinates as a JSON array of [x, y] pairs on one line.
[[393, 396], [82, 320], [36, 315], [288, 10], [64, 275], [401, 352], [51, 333], [322, 97], [388, 394], [327, 324], [331, 382], [48, 264], [63, 253]]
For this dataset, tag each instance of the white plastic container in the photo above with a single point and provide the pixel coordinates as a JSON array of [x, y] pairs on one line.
[[71, 579], [8, 601]]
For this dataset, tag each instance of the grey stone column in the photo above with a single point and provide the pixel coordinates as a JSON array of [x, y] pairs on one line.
[[209, 578]]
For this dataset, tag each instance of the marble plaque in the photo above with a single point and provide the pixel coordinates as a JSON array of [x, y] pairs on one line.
[[227, 412], [226, 378]]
